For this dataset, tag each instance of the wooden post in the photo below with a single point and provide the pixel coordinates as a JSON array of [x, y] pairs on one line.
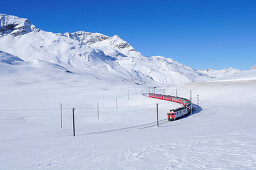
[[157, 122], [61, 115], [98, 109], [116, 105], [198, 99], [74, 128]]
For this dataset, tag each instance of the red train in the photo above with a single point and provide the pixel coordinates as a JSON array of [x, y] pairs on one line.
[[178, 112]]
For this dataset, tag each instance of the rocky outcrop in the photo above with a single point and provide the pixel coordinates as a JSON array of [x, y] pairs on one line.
[[15, 26]]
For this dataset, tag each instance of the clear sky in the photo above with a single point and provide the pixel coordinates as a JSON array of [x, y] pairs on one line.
[[199, 33]]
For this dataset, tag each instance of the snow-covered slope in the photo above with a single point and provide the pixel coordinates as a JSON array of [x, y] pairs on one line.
[[92, 53], [9, 59], [12, 67], [230, 73]]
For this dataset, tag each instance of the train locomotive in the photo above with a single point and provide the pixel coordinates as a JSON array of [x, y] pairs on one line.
[[177, 113]]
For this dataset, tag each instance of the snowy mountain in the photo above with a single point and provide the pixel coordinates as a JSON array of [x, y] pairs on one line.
[[95, 54], [230, 73], [220, 73]]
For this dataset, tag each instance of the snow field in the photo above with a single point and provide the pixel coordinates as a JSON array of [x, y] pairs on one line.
[[221, 136]]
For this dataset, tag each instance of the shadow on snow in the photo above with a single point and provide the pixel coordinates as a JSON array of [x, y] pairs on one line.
[[196, 109]]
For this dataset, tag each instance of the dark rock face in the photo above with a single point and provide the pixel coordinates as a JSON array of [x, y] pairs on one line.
[[15, 26], [7, 28], [123, 45], [88, 37]]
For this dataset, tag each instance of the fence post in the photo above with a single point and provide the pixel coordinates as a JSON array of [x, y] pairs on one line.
[[61, 115], [74, 128], [157, 122]]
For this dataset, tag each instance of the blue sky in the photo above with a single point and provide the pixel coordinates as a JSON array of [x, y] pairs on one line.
[[199, 33]]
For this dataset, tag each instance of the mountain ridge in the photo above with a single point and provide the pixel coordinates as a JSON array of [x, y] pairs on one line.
[[94, 53]]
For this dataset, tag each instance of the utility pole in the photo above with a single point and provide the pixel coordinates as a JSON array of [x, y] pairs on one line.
[[157, 122], [198, 99], [74, 128]]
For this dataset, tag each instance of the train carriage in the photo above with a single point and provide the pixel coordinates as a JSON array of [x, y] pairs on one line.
[[178, 112]]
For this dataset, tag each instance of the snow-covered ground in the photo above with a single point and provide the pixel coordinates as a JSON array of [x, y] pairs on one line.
[[221, 136]]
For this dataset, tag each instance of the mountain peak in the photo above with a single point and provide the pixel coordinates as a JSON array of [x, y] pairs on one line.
[[117, 37], [15, 26], [100, 40], [119, 43]]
